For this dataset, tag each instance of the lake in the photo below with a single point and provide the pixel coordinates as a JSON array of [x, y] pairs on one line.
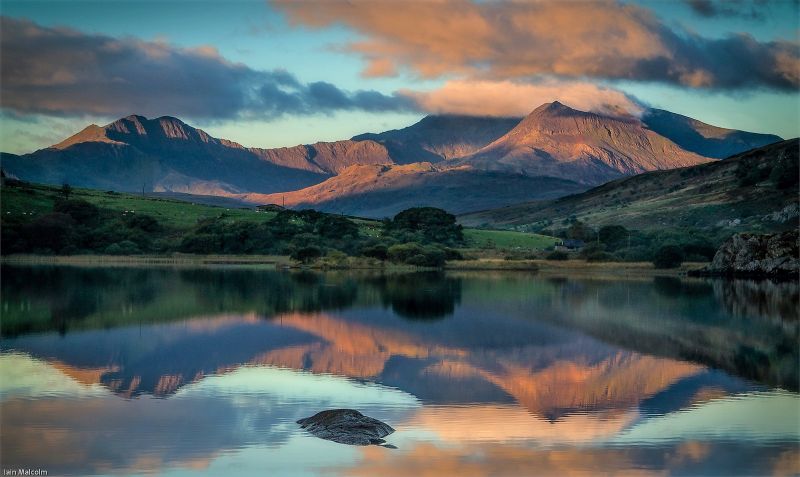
[[204, 371]]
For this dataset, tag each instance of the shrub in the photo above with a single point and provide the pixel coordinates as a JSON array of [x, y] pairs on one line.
[[557, 255], [306, 254], [81, 211], [50, 232], [430, 258], [699, 248], [786, 173], [639, 253], [592, 249], [200, 243], [668, 256], [415, 254], [600, 256], [452, 254], [335, 257], [375, 251], [750, 171], [402, 252], [113, 249], [127, 247], [143, 222]]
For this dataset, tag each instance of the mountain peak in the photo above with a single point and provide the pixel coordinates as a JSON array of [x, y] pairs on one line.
[[554, 108], [170, 120], [91, 133], [558, 141], [132, 124]]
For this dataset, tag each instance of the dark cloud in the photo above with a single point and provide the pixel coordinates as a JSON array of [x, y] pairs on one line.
[[602, 39], [704, 8], [750, 9], [276, 99], [59, 71]]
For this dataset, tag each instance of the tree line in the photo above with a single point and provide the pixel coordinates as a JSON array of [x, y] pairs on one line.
[[422, 236]]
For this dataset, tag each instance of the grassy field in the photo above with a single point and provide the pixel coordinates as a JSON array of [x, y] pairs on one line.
[[34, 200], [38, 199], [506, 239]]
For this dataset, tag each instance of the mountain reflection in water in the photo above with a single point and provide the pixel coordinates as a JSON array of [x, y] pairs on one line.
[[124, 370]]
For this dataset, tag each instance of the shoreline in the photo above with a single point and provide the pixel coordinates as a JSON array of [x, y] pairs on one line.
[[133, 260], [544, 267]]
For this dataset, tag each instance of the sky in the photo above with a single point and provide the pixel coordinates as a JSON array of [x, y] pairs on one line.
[[280, 73]]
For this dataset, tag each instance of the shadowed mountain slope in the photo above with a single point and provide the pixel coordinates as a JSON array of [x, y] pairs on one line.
[[381, 191], [757, 189], [704, 139], [438, 137]]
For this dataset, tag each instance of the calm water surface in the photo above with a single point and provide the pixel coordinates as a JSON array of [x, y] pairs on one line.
[[118, 371]]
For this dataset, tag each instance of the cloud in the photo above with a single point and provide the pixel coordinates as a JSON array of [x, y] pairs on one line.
[[748, 9], [63, 72], [506, 98], [321, 96], [506, 40]]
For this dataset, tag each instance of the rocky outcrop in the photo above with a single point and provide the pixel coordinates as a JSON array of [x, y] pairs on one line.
[[347, 426], [753, 255]]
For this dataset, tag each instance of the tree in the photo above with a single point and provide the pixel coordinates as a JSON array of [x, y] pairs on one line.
[[66, 190], [580, 231], [52, 232], [80, 210], [613, 236], [668, 256], [434, 225]]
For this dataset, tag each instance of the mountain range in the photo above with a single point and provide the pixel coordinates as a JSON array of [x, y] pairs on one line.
[[459, 163]]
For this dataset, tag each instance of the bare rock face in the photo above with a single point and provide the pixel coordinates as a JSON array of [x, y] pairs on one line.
[[758, 255], [347, 426]]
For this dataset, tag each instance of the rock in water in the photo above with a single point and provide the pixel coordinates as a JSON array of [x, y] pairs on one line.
[[753, 255], [347, 426]]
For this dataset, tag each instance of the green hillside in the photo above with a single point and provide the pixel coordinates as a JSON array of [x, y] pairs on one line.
[[39, 199], [753, 191], [41, 219]]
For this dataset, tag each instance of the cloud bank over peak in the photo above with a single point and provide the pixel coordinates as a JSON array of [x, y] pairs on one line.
[[602, 39], [507, 98]]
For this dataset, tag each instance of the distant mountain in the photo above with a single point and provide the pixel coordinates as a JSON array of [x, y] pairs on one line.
[[558, 141], [739, 193], [439, 137], [382, 191], [704, 139], [459, 163], [167, 155]]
